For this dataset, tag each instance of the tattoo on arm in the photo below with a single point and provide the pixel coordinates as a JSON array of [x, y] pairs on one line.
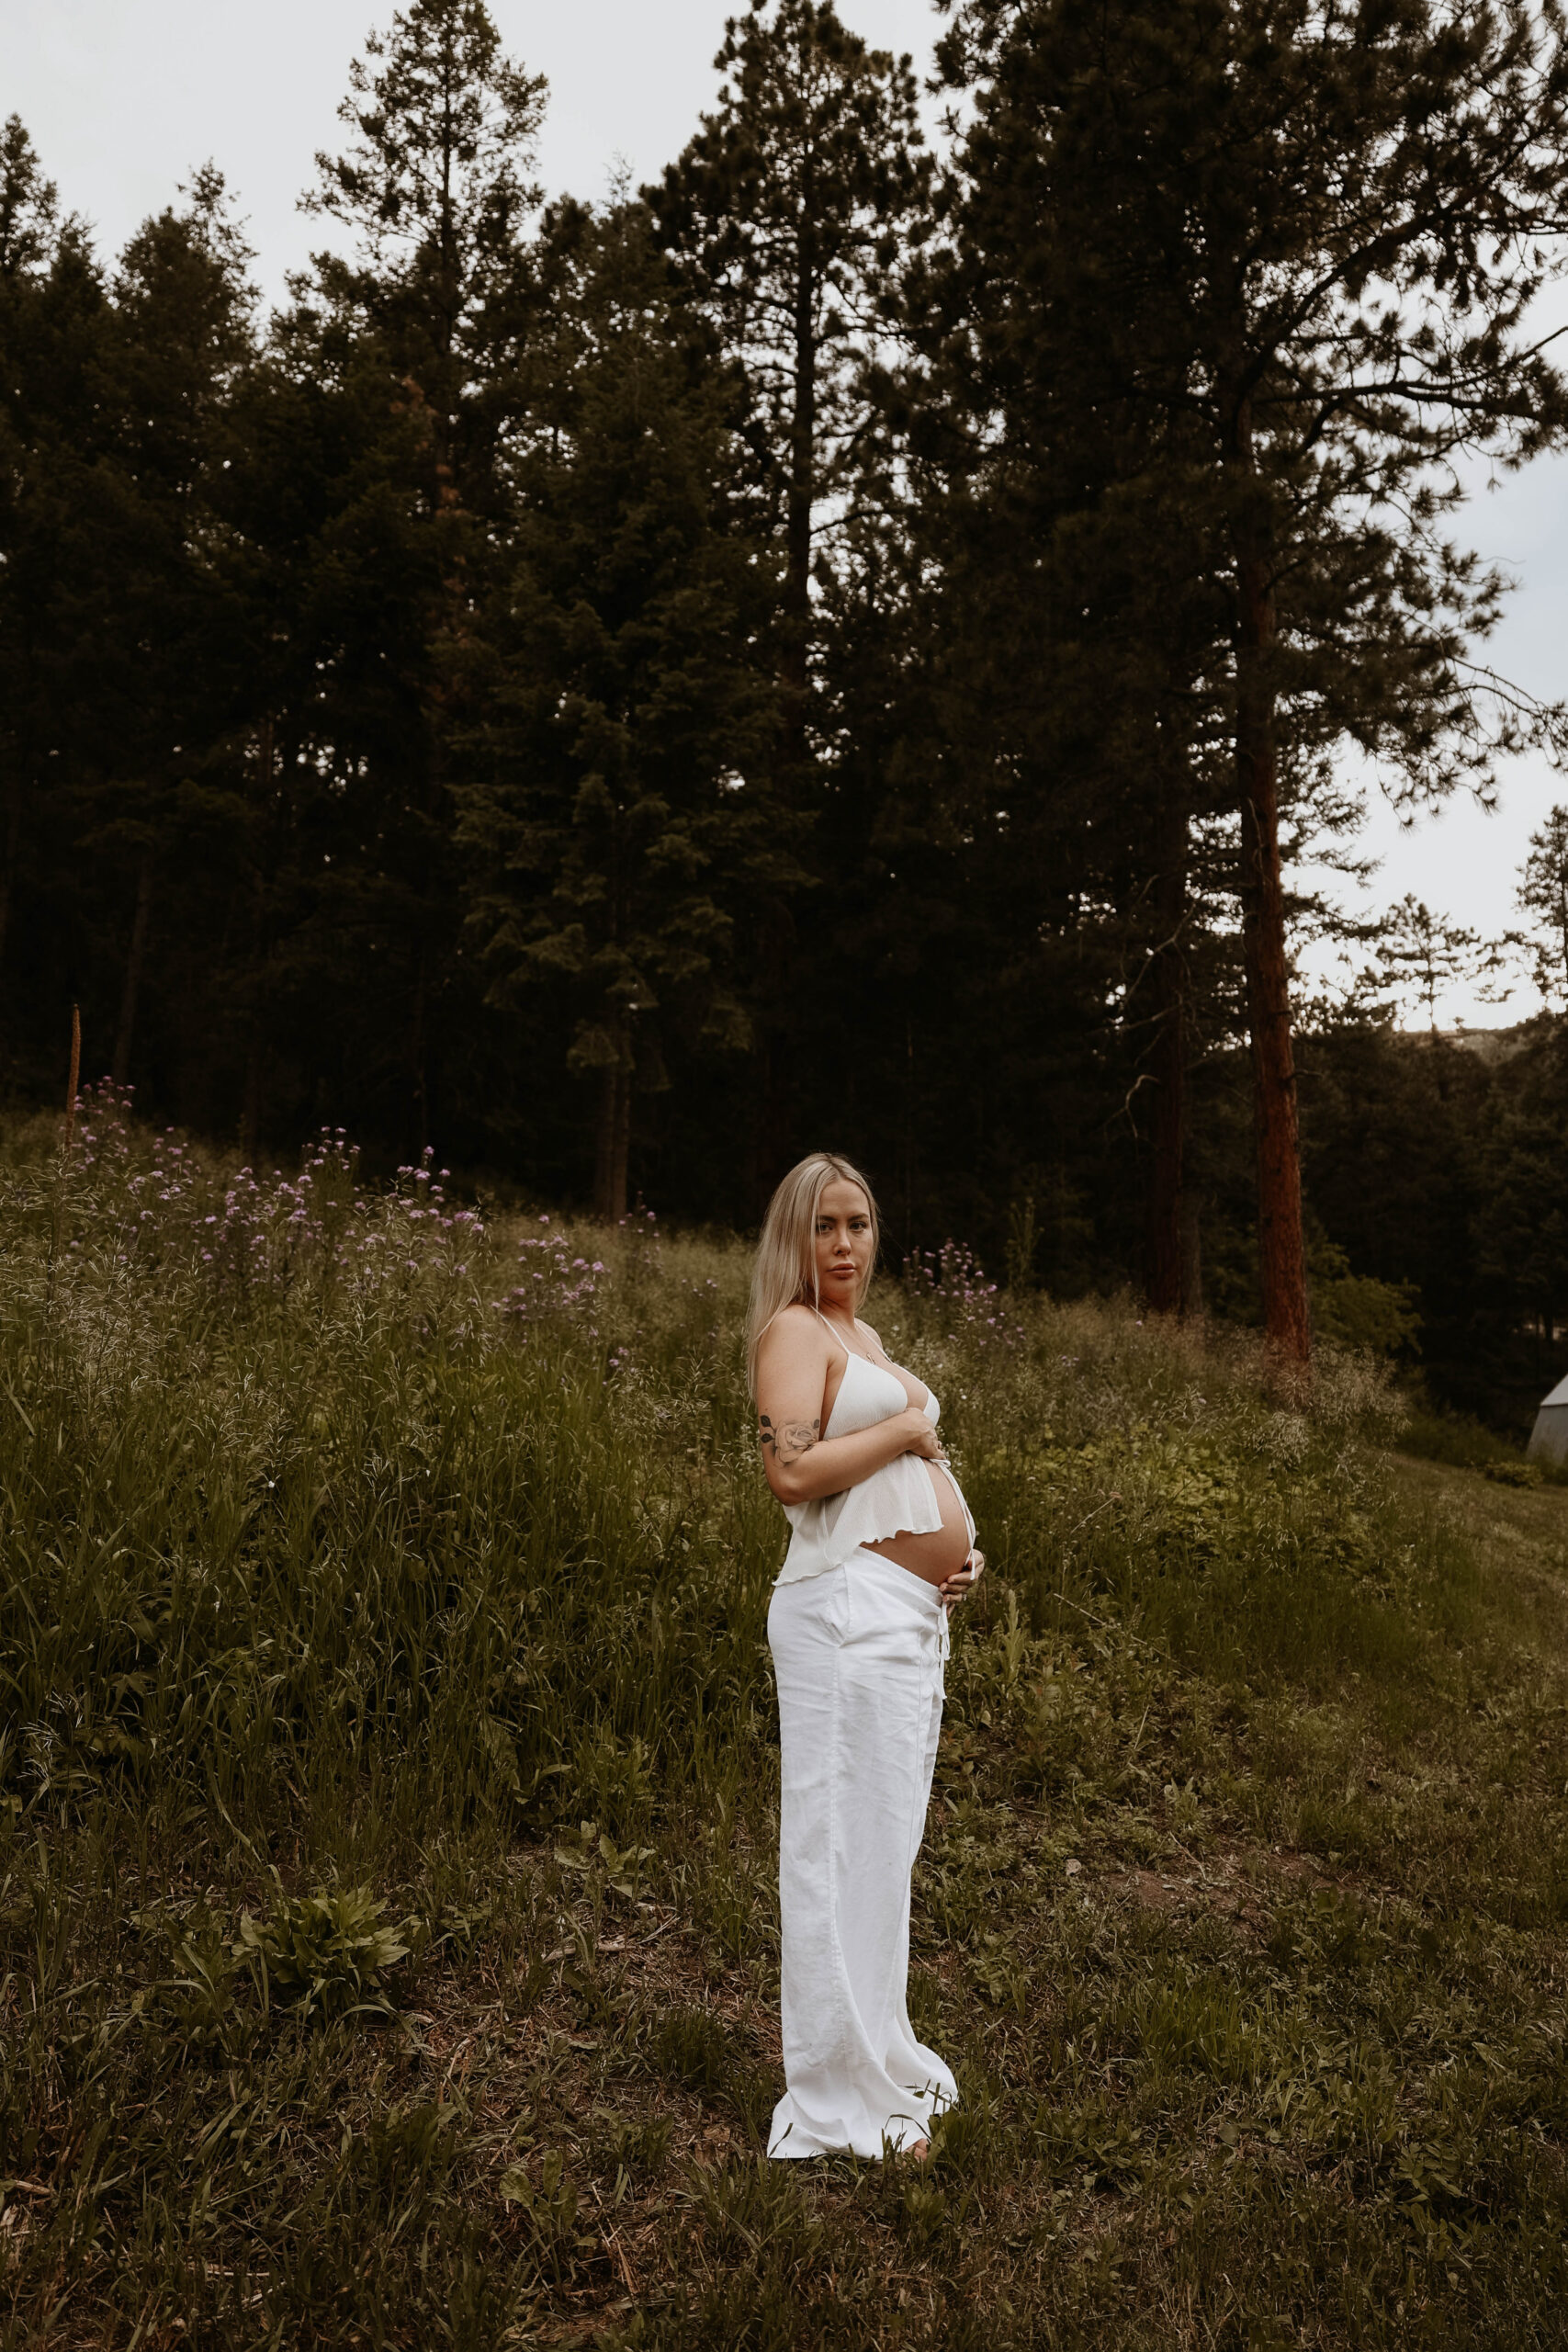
[[789, 1442]]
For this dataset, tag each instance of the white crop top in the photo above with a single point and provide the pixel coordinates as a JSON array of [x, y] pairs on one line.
[[898, 1499]]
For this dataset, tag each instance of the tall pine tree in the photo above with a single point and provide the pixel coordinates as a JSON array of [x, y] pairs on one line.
[[787, 214], [1312, 233], [376, 506], [617, 808]]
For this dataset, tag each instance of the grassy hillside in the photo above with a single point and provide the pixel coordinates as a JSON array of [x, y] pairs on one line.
[[387, 1931]]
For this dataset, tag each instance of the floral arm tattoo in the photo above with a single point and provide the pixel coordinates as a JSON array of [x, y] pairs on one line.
[[789, 1442]]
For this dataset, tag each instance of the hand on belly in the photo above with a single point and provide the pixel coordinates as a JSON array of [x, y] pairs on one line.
[[935, 1556]]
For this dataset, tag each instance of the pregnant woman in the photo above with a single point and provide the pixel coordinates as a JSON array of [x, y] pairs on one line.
[[881, 1547]]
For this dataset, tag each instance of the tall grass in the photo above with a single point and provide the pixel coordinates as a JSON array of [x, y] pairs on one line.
[[388, 1765]]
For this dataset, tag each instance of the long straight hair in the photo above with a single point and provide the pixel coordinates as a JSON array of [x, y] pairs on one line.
[[785, 1269]]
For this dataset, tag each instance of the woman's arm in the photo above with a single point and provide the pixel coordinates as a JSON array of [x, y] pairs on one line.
[[792, 1372]]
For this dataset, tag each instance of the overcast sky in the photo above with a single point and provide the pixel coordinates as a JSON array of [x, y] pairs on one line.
[[123, 100]]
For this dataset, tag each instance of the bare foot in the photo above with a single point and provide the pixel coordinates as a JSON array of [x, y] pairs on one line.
[[921, 2150]]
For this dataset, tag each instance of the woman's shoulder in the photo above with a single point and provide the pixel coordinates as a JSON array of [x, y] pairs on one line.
[[797, 1317], [796, 1327]]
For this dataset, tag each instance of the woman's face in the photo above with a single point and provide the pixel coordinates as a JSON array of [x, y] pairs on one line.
[[844, 1244]]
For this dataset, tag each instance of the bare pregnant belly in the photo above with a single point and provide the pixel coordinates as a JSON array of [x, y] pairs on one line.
[[938, 1556]]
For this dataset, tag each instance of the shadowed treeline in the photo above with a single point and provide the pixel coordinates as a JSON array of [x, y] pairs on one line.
[[839, 645]]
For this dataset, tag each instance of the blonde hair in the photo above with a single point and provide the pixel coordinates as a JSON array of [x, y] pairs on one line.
[[785, 1269]]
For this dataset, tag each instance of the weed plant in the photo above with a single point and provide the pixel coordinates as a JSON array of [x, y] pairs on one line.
[[388, 1779]]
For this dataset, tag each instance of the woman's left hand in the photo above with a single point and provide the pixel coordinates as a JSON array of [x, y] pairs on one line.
[[962, 1582]]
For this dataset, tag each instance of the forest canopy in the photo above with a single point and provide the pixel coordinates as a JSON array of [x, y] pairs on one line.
[[842, 645]]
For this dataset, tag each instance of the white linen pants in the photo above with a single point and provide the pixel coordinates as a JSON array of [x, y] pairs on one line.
[[858, 1653]]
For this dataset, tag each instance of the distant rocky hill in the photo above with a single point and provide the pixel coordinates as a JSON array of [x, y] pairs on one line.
[[1491, 1045]]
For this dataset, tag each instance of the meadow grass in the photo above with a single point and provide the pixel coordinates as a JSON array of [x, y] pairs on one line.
[[387, 1779]]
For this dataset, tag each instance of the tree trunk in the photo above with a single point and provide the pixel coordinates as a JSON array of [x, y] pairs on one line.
[[7, 873], [1169, 1069], [261, 872], [621, 1142], [772, 1106], [613, 1137], [417, 1059], [133, 963], [1282, 1255], [766, 1153], [1191, 1253], [251, 1099]]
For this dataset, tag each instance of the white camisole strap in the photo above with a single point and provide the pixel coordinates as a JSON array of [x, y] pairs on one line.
[[832, 1333], [931, 1405]]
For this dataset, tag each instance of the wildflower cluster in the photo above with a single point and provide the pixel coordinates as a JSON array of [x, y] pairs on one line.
[[418, 1227], [558, 1283], [954, 1280], [151, 1188], [266, 1231], [159, 1202], [639, 1234]]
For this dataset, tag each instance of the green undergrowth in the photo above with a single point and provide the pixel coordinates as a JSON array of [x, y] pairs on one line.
[[387, 1778], [1467, 1444]]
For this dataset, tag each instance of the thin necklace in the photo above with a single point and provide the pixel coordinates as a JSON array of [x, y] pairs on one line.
[[845, 1343]]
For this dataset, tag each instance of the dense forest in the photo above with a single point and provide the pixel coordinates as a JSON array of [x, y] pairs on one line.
[[841, 644]]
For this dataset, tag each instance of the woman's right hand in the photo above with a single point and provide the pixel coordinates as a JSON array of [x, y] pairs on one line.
[[919, 1433]]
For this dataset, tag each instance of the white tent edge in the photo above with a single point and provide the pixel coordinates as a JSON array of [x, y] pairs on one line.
[[1548, 1439]]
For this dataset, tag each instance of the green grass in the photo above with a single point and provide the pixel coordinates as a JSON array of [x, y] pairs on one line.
[[387, 1921], [1465, 1444]]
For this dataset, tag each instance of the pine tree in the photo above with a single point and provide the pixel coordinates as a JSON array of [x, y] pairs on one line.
[[375, 505], [114, 631], [1072, 624], [46, 279], [436, 185], [1420, 955], [158, 669], [787, 214], [617, 805], [1311, 233], [29, 207], [1543, 894], [789, 210]]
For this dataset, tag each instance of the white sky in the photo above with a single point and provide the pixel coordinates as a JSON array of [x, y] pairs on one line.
[[1463, 863], [124, 99]]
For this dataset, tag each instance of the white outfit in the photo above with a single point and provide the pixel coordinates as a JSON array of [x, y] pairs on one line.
[[898, 1499], [858, 1646]]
